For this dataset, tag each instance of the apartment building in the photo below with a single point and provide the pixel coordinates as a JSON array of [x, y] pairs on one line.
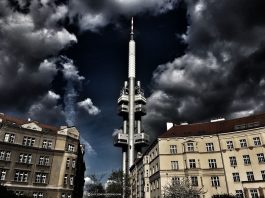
[[39, 160], [221, 156]]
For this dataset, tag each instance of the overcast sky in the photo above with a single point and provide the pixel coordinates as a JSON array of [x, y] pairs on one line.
[[64, 62]]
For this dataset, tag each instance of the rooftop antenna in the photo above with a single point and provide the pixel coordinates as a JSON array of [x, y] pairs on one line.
[[132, 29]]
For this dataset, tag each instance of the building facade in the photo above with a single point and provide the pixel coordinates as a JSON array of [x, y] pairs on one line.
[[39, 160], [221, 157]]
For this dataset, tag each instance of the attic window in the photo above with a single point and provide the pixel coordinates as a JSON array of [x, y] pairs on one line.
[[246, 126]]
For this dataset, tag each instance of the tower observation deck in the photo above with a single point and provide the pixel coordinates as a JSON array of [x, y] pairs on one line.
[[131, 107]]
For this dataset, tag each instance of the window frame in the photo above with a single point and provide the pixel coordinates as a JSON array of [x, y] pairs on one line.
[[246, 160], [173, 149], [190, 147], [212, 163], [250, 176], [243, 143], [236, 177], [215, 181], [229, 144], [209, 147], [261, 157], [192, 163]]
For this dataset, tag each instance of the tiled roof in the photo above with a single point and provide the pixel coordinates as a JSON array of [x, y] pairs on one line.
[[19, 122], [211, 128]]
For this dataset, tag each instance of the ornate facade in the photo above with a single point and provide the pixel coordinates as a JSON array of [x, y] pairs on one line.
[[39, 160], [221, 156]]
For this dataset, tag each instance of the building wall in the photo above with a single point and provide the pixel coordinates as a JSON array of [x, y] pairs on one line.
[[57, 161], [160, 158]]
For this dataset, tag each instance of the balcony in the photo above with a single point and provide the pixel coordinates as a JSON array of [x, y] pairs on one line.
[[120, 139], [123, 109], [140, 109], [141, 139], [123, 98], [140, 98]]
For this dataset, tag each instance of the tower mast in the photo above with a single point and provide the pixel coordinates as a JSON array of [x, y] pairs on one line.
[[131, 107]]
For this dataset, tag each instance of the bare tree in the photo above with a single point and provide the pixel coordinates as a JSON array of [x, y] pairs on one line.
[[182, 189]]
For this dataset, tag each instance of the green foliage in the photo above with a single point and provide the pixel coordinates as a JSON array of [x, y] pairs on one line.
[[181, 189], [115, 181], [96, 187]]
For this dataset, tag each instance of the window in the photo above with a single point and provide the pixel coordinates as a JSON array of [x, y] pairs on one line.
[[68, 162], [243, 143], [25, 158], [236, 177], [21, 176], [256, 141], [8, 154], [71, 148], [194, 180], [146, 173], [192, 163], [215, 181], [41, 178], [37, 195], [156, 167], [44, 144], [19, 193], [174, 165], [65, 179], [246, 159], [173, 149], [3, 175], [44, 160], [190, 147], [28, 141], [9, 138], [71, 180], [239, 194], [157, 184], [229, 145], [212, 163], [5, 155], [63, 195], [41, 160], [209, 147], [233, 161], [73, 163], [263, 174], [261, 158], [175, 180], [250, 176], [69, 196], [47, 144], [254, 193]]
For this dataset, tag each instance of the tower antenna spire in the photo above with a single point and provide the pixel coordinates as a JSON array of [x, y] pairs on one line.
[[132, 29]]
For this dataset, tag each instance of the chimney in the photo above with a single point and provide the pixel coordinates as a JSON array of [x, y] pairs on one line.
[[169, 125]]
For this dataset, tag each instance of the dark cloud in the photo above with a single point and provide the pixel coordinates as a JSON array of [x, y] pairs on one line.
[[222, 73], [92, 15], [28, 49]]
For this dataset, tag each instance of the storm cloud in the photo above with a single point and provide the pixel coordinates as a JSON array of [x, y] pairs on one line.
[[93, 15], [222, 71]]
